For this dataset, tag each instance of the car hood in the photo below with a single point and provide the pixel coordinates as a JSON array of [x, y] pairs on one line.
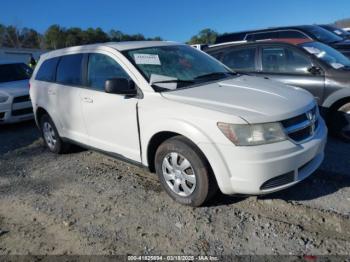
[[15, 88], [254, 99]]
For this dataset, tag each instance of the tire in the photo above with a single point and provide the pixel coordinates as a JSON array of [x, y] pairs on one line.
[[51, 137], [184, 172], [340, 122]]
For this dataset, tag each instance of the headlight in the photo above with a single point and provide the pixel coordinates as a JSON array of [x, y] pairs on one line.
[[3, 98], [251, 135]]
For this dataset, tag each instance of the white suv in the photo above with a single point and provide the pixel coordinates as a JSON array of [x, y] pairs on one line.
[[15, 105], [182, 114]]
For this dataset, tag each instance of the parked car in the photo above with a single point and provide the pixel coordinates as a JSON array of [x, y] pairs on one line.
[[336, 30], [182, 114], [15, 105], [314, 66], [311, 32]]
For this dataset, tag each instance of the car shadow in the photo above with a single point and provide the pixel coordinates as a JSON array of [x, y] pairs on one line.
[[13, 136]]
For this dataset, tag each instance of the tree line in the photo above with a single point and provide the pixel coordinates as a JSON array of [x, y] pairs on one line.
[[59, 37]]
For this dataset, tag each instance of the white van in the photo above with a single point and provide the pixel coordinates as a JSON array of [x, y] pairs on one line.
[[182, 114]]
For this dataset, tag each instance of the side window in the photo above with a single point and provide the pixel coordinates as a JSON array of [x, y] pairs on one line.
[[69, 70], [291, 34], [101, 68], [240, 59], [284, 60], [47, 70]]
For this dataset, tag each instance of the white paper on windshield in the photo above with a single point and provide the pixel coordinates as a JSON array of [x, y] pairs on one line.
[[338, 32], [312, 50], [146, 59], [337, 65]]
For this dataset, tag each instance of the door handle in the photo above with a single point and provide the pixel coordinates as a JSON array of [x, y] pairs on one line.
[[51, 91], [265, 77], [88, 100]]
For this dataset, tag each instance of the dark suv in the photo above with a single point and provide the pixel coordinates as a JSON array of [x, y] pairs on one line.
[[311, 32], [314, 66]]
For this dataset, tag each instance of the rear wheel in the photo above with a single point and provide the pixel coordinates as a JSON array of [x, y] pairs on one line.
[[184, 172], [51, 137]]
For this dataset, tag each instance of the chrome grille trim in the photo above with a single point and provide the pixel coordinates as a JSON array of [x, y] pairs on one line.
[[303, 126]]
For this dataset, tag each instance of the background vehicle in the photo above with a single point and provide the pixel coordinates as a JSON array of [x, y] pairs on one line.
[[314, 66], [15, 103], [182, 114], [311, 32], [336, 30]]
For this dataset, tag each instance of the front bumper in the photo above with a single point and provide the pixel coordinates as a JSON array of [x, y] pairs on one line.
[[272, 167], [13, 113]]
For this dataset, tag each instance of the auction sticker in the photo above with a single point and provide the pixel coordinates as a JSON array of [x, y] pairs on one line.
[[146, 59]]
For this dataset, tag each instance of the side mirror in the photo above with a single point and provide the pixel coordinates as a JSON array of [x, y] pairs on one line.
[[315, 70], [120, 86]]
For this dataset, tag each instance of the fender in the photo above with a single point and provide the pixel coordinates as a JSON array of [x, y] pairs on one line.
[[197, 136], [336, 96]]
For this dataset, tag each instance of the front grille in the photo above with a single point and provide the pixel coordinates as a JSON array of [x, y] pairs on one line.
[[23, 111], [20, 99], [302, 127], [278, 181]]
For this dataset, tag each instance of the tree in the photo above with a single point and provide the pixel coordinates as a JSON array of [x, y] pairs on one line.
[[74, 36], [116, 35], [12, 37], [2, 34], [55, 37], [205, 36], [30, 38]]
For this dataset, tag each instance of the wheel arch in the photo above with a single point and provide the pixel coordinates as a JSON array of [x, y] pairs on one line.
[[40, 111]]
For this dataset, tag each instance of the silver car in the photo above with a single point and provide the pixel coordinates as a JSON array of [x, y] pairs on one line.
[[15, 104]]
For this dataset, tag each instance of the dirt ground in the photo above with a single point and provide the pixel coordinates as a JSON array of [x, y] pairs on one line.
[[87, 203]]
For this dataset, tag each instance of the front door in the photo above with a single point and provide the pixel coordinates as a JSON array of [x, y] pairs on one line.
[[110, 119], [290, 66]]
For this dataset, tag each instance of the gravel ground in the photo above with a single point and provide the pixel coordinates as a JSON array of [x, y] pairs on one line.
[[88, 203]]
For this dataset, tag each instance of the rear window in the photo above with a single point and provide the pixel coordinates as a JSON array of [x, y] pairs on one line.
[[14, 72], [275, 35], [261, 36], [47, 70], [69, 70]]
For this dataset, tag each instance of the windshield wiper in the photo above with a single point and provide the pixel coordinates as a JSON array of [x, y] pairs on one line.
[[173, 81], [214, 75]]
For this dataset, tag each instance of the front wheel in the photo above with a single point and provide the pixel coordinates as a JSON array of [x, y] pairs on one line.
[[184, 173]]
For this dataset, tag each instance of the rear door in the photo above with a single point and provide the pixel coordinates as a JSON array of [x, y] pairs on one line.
[[289, 65], [69, 80]]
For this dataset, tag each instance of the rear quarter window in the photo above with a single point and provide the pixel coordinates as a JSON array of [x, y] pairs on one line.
[[47, 70]]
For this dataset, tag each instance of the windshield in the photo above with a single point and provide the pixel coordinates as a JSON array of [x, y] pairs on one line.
[[337, 31], [327, 54], [176, 66], [14, 72], [322, 34]]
